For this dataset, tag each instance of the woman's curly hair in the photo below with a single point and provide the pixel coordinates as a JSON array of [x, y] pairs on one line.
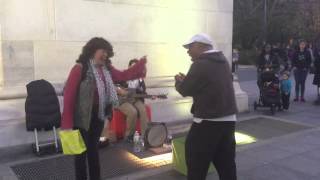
[[89, 50]]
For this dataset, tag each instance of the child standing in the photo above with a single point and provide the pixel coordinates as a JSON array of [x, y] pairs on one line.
[[285, 86]]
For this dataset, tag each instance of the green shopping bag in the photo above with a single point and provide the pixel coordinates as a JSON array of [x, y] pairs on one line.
[[72, 142], [178, 156]]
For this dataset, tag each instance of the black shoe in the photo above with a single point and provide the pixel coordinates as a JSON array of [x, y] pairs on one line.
[[104, 143], [317, 102], [129, 139]]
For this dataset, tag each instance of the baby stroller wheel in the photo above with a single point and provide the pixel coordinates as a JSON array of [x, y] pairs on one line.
[[273, 109], [255, 105]]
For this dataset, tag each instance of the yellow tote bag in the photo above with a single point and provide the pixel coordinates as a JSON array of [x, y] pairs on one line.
[[72, 142]]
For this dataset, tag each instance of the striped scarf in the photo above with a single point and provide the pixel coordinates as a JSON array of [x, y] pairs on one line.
[[106, 91]]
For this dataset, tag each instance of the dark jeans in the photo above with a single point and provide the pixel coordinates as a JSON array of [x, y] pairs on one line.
[[285, 100], [211, 142], [300, 77], [91, 138], [234, 66]]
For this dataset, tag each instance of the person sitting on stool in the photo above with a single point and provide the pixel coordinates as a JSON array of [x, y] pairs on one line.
[[132, 107]]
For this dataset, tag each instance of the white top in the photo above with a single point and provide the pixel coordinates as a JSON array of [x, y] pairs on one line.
[[133, 83], [221, 119], [211, 51]]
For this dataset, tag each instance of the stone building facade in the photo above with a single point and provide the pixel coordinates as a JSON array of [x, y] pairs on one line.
[[41, 39]]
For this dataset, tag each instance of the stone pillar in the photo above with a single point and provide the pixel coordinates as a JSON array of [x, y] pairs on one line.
[[1, 61], [241, 96]]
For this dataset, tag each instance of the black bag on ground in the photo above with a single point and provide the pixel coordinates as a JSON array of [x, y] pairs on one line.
[[43, 112], [42, 106]]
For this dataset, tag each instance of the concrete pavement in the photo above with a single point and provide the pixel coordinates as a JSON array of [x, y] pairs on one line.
[[290, 156], [294, 156]]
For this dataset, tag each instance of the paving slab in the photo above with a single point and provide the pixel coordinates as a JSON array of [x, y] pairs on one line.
[[288, 148], [274, 172], [301, 164]]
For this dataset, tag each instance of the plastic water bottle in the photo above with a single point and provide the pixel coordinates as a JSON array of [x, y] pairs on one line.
[[136, 142], [141, 143], [167, 143], [169, 138]]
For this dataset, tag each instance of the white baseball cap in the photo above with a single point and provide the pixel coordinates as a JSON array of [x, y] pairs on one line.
[[201, 38]]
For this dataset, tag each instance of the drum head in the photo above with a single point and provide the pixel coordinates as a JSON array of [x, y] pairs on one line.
[[156, 134]]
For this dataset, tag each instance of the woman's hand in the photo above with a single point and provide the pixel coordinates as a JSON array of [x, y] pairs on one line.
[[144, 59]]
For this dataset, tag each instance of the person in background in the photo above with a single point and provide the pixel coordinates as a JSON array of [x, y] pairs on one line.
[[285, 88], [281, 55], [235, 59], [290, 49], [267, 60], [301, 64], [89, 96], [316, 79], [310, 49]]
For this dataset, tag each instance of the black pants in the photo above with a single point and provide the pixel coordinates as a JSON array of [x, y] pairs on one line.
[[300, 77], [285, 100], [91, 138], [211, 142]]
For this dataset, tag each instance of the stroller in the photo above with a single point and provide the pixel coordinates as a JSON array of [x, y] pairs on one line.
[[269, 86]]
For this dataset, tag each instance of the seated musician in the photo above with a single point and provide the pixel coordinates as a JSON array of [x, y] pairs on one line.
[[130, 73], [133, 107]]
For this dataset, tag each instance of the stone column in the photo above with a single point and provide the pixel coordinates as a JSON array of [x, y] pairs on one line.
[[1, 61]]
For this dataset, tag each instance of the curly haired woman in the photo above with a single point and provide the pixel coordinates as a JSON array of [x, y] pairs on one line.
[[89, 96]]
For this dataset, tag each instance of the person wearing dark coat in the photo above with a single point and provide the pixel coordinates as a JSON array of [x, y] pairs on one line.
[[211, 137], [316, 79], [267, 60], [301, 63]]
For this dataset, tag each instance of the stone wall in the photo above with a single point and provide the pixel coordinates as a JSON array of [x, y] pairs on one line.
[[42, 38], [1, 59]]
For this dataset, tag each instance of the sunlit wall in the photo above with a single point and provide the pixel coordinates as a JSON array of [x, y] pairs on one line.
[[41, 39], [41, 35]]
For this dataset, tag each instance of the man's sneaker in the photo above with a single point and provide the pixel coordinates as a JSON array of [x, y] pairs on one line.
[[103, 142], [302, 99], [295, 99], [317, 102]]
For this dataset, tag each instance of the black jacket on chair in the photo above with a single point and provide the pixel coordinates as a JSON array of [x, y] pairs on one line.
[[42, 106]]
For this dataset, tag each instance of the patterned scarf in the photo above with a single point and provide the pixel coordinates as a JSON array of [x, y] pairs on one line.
[[106, 91]]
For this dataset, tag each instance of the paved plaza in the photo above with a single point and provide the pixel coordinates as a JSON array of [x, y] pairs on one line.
[[287, 147]]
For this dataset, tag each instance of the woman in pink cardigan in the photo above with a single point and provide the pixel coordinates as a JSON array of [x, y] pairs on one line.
[[89, 95]]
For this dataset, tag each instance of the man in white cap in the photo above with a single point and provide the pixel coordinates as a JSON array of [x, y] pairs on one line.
[[211, 137]]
